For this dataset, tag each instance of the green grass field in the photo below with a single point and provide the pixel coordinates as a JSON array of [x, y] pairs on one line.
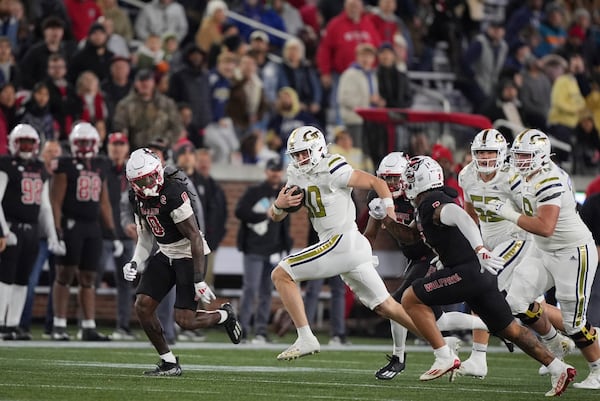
[[219, 371]]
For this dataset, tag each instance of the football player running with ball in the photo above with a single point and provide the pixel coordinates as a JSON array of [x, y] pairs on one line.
[[327, 181], [163, 212]]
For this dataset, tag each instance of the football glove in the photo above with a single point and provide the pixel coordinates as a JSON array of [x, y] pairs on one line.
[[377, 209], [57, 247], [503, 209], [204, 293], [117, 248], [11, 239], [489, 262], [130, 271]]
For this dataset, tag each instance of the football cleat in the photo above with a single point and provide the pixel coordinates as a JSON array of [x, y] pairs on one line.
[[440, 367], [60, 334], [592, 382], [393, 367], [91, 335], [232, 324], [164, 368], [473, 368], [561, 380], [16, 334], [300, 348]]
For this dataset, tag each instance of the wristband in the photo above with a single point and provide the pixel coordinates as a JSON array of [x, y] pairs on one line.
[[276, 211], [388, 202]]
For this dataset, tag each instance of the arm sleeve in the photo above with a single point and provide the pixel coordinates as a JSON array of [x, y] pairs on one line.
[[453, 215], [144, 244], [46, 219], [3, 184]]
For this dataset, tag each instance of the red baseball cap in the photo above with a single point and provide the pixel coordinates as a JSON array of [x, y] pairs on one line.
[[439, 152], [118, 137]]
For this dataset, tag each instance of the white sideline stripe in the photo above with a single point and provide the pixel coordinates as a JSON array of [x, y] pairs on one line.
[[224, 346]]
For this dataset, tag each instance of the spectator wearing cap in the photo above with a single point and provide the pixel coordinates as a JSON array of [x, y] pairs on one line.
[[482, 63], [444, 157], [210, 30], [388, 24], [551, 30], [394, 85], [337, 49], [505, 106], [145, 113], [267, 65], [256, 10], [94, 56], [117, 85], [121, 21], [35, 62], [573, 43], [118, 152], [83, 14], [65, 105], [191, 85], [263, 243], [535, 93], [161, 16], [358, 87]]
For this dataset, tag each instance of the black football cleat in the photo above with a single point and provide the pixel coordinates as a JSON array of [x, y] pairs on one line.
[[394, 366], [93, 335], [232, 324], [164, 368]]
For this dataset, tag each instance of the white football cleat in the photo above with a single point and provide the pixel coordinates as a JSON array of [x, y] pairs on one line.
[[592, 382], [300, 348], [440, 367], [474, 368], [561, 380]]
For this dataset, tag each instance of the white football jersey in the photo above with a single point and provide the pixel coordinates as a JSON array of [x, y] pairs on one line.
[[327, 195], [494, 229], [552, 186]]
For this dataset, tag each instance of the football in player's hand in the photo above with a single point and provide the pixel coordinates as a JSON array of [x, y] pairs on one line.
[[296, 190]]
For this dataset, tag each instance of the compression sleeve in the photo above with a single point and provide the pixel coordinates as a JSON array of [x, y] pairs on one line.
[[453, 215]]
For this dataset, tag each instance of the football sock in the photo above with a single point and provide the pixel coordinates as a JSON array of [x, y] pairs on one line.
[[555, 366], [595, 364], [304, 332], [168, 357], [5, 295], [88, 324], [479, 347], [60, 322], [549, 335], [224, 315], [16, 304], [399, 334], [442, 352]]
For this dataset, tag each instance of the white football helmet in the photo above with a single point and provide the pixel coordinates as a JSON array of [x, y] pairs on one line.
[[84, 140], [530, 151], [489, 140], [310, 139], [422, 174], [24, 141], [145, 173], [391, 169]]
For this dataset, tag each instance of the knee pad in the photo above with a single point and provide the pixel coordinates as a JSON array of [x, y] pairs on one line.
[[584, 336], [530, 317]]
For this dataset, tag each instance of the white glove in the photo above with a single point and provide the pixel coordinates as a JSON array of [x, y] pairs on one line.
[[503, 209], [437, 263], [204, 293], [489, 262], [377, 209], [11, 239], [130, 271], [117, 248], [57, 247]]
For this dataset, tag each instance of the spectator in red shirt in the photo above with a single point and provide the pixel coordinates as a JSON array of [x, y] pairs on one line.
[[336, 51], [83, 13]]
